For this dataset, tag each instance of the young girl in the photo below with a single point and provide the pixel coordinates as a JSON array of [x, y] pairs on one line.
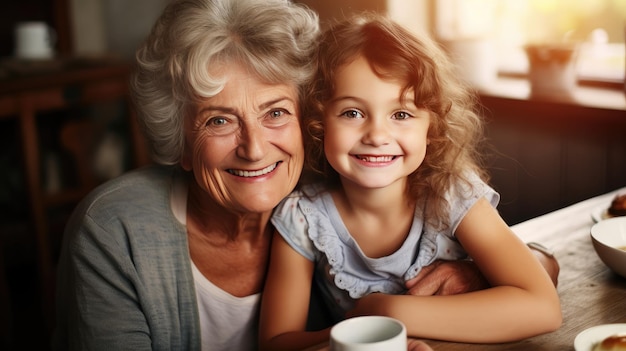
[[402, 187]]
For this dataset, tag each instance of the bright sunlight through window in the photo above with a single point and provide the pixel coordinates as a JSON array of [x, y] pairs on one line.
[[598, 26]]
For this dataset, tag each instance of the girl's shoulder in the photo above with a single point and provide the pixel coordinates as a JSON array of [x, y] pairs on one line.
[[470, 187]]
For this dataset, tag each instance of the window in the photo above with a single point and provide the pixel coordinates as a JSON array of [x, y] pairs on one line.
[[598, 26]]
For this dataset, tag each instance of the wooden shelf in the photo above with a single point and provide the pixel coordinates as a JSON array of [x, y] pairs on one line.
[[583, 96], [546, 154], [29, 93]]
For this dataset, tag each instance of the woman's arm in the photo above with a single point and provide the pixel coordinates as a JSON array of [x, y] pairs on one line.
[[547, 260], [522, 301], [285, 303], [97, 304]]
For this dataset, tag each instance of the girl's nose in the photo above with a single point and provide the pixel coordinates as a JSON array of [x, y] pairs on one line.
[[376, 132]]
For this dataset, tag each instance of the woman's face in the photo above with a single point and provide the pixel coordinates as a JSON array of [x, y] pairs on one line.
[[244, 145]]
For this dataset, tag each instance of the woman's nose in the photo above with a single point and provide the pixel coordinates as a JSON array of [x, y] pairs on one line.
[[252, 142]]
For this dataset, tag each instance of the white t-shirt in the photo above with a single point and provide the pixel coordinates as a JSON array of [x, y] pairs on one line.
[[227, 322]]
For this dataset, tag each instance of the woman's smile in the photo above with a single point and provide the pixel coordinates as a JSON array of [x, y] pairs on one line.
[[253, 173]]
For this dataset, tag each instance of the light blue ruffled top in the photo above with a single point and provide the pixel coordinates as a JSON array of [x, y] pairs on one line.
[[312, 226]]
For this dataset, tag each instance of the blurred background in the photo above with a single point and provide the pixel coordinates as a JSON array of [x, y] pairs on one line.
[[66, 124]]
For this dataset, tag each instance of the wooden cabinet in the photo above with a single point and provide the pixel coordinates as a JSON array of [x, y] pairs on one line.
[[545, 155], [31, 96]]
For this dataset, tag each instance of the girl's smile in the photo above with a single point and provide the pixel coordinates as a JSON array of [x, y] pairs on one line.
[[376, 160]]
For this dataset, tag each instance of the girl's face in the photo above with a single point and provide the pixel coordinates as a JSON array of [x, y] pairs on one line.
[[244, 145], [372, 136]]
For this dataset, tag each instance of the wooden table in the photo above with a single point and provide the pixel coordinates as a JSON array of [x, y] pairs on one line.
[[591, 294]]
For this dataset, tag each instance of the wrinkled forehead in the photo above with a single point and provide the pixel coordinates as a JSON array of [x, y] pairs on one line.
[[242, 89]]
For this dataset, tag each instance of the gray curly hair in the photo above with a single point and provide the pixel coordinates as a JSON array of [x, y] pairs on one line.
[[275, 39]]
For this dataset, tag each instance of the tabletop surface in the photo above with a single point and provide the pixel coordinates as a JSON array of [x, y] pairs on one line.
[[591, 294]]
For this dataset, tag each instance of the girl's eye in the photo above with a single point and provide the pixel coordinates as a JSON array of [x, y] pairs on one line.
[[352, 114], [402, 115]]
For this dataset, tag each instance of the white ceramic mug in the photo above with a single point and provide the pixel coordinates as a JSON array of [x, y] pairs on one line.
[[368, 333], [34, 40]]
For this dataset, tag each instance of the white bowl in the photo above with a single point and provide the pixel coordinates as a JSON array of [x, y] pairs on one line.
[[608, 236]]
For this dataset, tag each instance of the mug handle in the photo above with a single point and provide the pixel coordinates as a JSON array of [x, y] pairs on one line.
[[52, 36]]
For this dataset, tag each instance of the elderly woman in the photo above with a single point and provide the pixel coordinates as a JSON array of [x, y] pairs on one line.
[[169, 257], [174, 256]]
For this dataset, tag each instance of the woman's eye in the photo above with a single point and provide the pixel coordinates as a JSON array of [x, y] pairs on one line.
[[221, 126], [277, 118], [216, 121], [277, 113], [352, 114]]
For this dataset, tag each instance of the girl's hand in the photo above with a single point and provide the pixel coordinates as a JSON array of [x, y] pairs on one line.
[[418, 345]]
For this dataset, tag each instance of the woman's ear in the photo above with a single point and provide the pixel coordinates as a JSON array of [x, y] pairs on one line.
[[185, 160]]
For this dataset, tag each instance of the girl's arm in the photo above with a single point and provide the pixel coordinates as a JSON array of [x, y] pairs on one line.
[[522, 301], [462, 276], [285, 303]]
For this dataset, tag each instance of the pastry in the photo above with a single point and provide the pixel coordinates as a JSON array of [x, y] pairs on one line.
[[615, 342], [618, 205]]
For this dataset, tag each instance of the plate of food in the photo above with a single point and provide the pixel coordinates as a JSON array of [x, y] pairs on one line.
[[617, 208], [604, 337]]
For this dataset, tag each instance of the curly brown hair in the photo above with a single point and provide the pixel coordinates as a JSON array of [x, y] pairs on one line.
[[456, 129]]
